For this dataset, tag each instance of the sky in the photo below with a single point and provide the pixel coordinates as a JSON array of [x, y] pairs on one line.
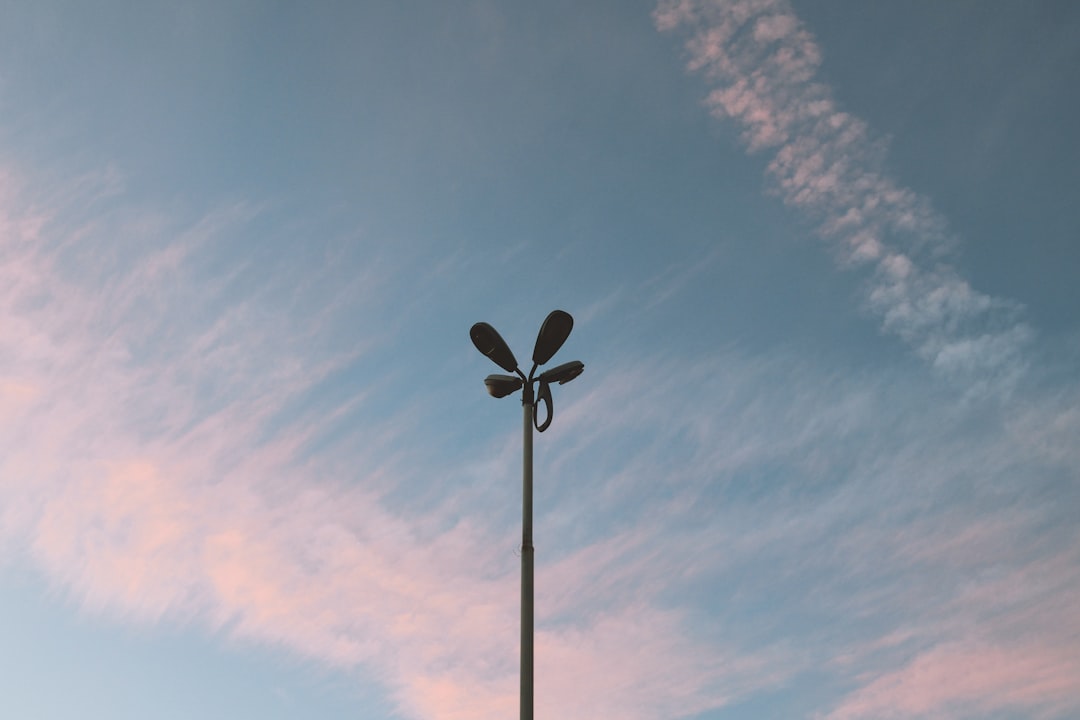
[[822, 261]]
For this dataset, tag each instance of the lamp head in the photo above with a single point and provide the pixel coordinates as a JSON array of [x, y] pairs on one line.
[[564, 373], [502, 385], [488, 341], [553, 333]]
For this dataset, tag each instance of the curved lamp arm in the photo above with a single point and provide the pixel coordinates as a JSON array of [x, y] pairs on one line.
[[543, 395]]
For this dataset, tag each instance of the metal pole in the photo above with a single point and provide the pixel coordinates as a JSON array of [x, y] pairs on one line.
[[527, 403]]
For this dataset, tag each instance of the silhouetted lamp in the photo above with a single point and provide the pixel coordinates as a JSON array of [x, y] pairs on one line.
[[564, 373], [502, 385], [488, 341], [553, 333]]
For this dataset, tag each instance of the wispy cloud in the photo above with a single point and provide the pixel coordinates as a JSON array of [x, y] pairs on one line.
[[794, 512], [763, 66], [969, 681], [152, 473], [863, 524], [950, 573], [733, 524]]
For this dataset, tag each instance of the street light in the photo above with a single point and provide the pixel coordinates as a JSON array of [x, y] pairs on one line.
[[553, 333]]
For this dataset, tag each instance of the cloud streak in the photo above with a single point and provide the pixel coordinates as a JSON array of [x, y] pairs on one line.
[[762, 64], [853, 523], [151, 471]]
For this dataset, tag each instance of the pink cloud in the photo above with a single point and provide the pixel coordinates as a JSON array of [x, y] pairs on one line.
[[609, 669], [139, 473], [991, 622], [762, 63], [919, 545], [970, 680]]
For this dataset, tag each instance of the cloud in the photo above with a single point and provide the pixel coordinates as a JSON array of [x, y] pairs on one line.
[[155, 469], [983, 621], [969, 681], [865, 526], [762, 64], [905, 575], [738, 523], [735, 525]]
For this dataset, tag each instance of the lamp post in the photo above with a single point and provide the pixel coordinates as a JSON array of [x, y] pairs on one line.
[[552, 335]]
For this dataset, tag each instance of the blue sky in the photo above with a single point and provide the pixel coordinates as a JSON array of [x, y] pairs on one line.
[[822, 462]]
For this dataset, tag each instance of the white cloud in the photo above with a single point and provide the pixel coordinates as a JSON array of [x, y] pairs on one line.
[[762, 64]]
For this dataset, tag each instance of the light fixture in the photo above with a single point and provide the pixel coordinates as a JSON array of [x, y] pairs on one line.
[[553, 333], [502, 385], [564, 373], [488, 341]]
